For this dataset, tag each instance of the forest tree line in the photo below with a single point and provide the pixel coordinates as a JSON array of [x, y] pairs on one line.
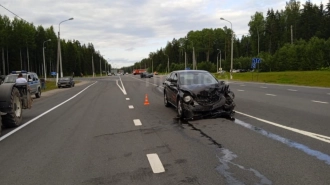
[[296, 38], [21, 48]]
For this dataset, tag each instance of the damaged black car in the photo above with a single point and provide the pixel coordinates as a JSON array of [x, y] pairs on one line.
[[198, 94]]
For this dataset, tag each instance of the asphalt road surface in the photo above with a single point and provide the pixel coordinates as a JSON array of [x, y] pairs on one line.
[[101, 132]]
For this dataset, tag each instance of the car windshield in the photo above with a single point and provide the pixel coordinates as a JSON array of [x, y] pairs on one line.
[[12, 78], [196, 78]]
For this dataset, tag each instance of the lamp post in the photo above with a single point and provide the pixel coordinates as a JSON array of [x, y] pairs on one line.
[[232, 40], [217, 60], [100, 64], [43, 52], [93, 65], [193, 55], [168, 63], [59, 55], [152, 65]]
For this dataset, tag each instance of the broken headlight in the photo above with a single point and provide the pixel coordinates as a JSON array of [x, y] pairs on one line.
[[187, 99]]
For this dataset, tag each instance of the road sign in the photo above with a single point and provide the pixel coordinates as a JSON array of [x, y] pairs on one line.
[[53, 73], [255, 61]]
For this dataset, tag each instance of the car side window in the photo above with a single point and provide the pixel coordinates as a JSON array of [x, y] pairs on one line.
[[168, 77], [175, 76]]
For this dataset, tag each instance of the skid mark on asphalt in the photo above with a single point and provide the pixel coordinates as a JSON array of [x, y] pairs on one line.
[[319, 155], [225, 158]]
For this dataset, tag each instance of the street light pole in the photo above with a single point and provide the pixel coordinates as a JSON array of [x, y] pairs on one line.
[[100, 65], [93, 65], [43, 51], [59, 56], [217, 60], [232, 40]]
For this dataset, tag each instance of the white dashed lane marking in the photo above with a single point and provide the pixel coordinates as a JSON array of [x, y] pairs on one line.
[[137, 122], [263, 87], [242, 85], [155, 163], [239, 90], [127, 98], [319, 102], [130, 107], [292, 90], [270, 94]]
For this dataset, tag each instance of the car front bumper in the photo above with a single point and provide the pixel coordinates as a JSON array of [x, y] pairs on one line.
[[196, 110]]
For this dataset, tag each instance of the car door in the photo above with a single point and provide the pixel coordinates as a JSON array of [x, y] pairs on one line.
[[30, 78], [173, 88], [167, 84]]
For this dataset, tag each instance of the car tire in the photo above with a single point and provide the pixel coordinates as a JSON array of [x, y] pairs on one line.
[[166, 103], [38, 94], [59, 87], [14, 117], [179, 108]]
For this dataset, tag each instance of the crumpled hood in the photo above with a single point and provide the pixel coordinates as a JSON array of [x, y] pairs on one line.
[[195, 90]]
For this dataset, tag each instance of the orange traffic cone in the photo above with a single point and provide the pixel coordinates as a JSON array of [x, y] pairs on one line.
[[146, 101]]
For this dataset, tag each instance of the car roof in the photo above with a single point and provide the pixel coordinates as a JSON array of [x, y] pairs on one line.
[[190, 71]]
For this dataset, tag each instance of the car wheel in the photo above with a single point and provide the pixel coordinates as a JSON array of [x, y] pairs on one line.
[[38, 94], [14, 117], [59, 86], [179, 108], [166, 103]]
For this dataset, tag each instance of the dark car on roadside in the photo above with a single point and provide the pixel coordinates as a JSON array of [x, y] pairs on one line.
[[65, 82], [146, 75], [198, 94]]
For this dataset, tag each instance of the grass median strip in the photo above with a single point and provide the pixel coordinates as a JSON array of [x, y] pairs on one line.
[[306, 78]]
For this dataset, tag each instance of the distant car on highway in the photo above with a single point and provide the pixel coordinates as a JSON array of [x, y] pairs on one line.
[[146, 75], [65, 82], [197, 93]]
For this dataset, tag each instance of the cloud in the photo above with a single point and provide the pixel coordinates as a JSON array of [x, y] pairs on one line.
[[134, 28], [129, 49]]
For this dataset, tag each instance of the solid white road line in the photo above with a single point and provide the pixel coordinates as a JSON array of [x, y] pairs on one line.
[[292, 90], [137, 122], [239, 90], [270, 94], [32, 120], [319, 102], [309, 134], [122, 88], [130, 107], [127, 98], [263, 87], [155, 163]]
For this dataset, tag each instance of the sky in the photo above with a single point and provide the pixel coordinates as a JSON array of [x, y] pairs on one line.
[[126, 31]]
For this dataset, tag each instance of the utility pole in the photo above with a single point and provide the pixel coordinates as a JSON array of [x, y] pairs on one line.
[[291, 35]]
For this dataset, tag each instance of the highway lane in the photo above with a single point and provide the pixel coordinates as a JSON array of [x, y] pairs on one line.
[[92, 139]]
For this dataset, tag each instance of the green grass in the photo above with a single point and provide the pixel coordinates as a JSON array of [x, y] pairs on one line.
[[306, 78], [50, 85]]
